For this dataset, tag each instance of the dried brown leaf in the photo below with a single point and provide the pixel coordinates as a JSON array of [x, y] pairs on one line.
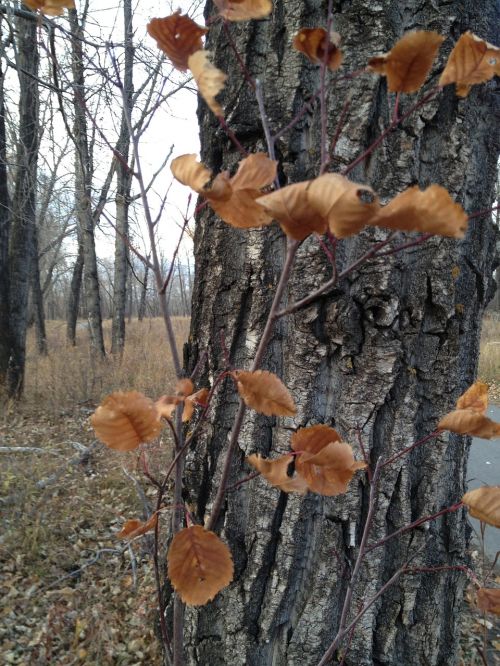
[[233, 199], [470, 422], [265, 392], [254, 172], [408, 63], [314, 44], [134, 528], [165, 406], [326, 463], [429, 211], [243, 10], [184, 387], [188, 171], [314, 438], [209, 79], [472, 61], [199, 565], [178, 36], [50, 7], [124, 420], [347, 206], [476, 398], [290, 207], [484, 504], [329, 471], [275, 471], [488, 600]]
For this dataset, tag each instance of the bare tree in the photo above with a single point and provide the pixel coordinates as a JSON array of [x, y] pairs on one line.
[[23, 201]]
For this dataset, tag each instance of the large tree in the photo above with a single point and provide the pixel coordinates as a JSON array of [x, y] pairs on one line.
[[387, 351]]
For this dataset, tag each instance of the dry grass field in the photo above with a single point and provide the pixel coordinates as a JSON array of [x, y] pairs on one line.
[[489, 362], [70, 592]]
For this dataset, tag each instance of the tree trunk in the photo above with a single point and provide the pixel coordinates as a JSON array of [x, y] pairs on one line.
[[83, 189], [144, 292], [37, 299], [124, 182], [74, 294], [23, 204], [387, 352], [5, 342]]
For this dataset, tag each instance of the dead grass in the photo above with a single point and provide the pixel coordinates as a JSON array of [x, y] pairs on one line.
[[71, 593], [489, 360], [71, 375]]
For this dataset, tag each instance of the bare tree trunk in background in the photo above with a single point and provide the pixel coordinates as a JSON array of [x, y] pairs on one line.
[[144, 292], [182, 288], [75, 293], [83, 185], [5, 342], [24, 201], [37, 299], [123, 185], [389, 351]]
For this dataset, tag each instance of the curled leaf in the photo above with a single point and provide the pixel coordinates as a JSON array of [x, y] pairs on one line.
[[166, 405], [124, 420], [188, 171], [199, 565], [475, 398], [243, 10], [408, 63], [50, 7], [314, 438], [184, 387], [470, 422], [290, 207], [484, 504], [472, 61], [315, 45], [275, 471], [429, 211], [326, 463], [233, 199], [178, 36], [198, 398], [209, 79], [134, 528], [488, 600], [265, 392], [347, 206]]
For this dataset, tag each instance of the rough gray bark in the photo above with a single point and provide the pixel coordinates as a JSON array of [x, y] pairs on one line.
[[141, 312], [23, 202], [388, 351], [83, 191], [4, 245], [74, 294], [37, 299], [124, 183]]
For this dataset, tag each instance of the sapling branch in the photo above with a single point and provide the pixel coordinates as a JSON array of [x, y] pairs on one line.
[[352, 625], [407, 450], [414, 524], [292, 247], [330, 284], [241, 63], [372, 504]]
